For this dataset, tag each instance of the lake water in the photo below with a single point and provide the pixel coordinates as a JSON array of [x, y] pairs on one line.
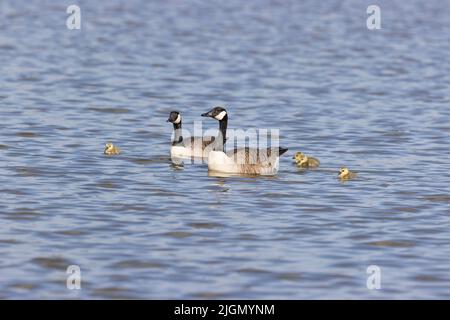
[[138, 227]]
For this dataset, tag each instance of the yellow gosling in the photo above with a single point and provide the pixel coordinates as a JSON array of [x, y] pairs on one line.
[[345, 174], [111, 149], [298, 156], [304, 161]]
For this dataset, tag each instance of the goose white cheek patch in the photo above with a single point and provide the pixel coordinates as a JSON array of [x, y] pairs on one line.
[[220, 115], [178, 120]]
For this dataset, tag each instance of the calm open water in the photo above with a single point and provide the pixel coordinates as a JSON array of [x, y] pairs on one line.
[[138, 227]]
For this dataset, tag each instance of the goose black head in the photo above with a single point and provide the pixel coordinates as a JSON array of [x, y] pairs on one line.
[[174, 117], [217, 113]]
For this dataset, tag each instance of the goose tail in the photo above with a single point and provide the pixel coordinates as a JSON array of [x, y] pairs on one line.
[[282, 150]]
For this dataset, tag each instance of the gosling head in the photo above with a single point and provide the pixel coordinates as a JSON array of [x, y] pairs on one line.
[[298, 157], [343, 173], [174, 117], [217, 113], [304, 160], [109, 147]]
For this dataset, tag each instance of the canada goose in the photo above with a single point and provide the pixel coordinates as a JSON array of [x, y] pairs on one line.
[[345, 174], [190, 147], [111, 149], [304, 161], [249, 161]]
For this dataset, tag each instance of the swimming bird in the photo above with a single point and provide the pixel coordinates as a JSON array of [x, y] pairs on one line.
[[190, 147], [111, 149], [249, 161], [305, 161], [345, 174]]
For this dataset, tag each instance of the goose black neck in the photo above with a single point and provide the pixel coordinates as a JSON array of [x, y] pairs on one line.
[[178, 138], [223, 130]]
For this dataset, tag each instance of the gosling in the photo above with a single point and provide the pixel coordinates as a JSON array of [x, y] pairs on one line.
[[304, 161], [345, 174], [111, 149]]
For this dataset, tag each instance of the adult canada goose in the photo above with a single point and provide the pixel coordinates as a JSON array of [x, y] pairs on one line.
[[189, 147], [345, 174], [243, 160], [111, 149], [305, 161]]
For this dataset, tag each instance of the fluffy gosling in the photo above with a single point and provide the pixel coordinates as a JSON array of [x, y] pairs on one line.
[[304, 161], [111, 149], [345, 174]]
